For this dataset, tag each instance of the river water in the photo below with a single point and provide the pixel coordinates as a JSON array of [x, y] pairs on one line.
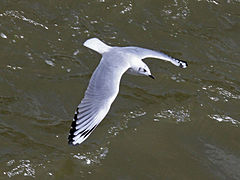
[[185, 124]]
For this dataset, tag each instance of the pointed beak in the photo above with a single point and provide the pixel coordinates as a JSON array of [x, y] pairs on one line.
[[151, 76]]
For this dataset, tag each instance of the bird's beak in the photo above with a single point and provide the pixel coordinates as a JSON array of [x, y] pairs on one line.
[[151, 76]]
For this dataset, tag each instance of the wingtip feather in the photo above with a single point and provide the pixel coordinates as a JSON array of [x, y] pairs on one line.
[[183, 64]]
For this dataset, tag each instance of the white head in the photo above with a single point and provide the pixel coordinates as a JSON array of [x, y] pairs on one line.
[[141, 69]]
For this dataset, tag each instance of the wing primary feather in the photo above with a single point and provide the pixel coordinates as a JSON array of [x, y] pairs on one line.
[[75, 127], [82, 134], [84, 103], [81, 137], [89, 131], [84, 114], [83, 120], [85, 125]]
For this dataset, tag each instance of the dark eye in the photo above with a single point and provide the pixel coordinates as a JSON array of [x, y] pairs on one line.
[[144, 70]]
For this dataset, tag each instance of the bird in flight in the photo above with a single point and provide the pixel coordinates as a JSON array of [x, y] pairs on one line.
[[104, 83]]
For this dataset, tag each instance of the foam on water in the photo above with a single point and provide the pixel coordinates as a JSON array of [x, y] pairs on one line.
[[224, 118], [18, 15], [24, 167], [177, 114], [90, 158]]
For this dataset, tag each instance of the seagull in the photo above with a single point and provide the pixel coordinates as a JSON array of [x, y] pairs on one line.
[[104, 84]]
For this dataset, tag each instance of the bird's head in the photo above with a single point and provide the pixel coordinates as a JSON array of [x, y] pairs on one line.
[[143, 69]]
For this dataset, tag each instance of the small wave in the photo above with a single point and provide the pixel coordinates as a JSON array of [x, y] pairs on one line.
[[3, 35], [114, 130], [90, 158], [179, 115], [177, 78], [176, 10], [224, 118], [127, 8], [18, 15], [14, 67], [226, 95], [50, 62], [24, 167]]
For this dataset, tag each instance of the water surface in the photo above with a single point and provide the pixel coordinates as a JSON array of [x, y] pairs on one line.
[[183, 125]]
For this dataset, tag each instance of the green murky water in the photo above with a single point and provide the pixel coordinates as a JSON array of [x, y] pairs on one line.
[[183, 125]]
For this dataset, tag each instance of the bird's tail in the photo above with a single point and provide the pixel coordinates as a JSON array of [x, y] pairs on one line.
[[97, 45]]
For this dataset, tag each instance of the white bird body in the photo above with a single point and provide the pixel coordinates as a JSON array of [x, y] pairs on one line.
[[104, 84]]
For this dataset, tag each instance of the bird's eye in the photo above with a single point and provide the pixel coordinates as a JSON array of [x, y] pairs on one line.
[[144, 70]]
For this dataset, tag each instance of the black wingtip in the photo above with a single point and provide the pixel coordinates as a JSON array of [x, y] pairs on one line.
[[70, 142], [71, 136], [73, 129], [183, 64]]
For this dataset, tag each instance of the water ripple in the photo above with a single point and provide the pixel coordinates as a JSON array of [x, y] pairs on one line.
[[224, 118], [24, 167], [18, 15], [114, 130], [178, 114], [215, 93], [177, 10], [3, 35], [89, 158]]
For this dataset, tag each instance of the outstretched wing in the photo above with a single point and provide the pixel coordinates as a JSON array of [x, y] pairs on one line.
[[147, 53], [101, 92]]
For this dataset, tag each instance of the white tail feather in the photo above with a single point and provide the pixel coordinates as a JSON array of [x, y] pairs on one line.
[[97, 45]]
